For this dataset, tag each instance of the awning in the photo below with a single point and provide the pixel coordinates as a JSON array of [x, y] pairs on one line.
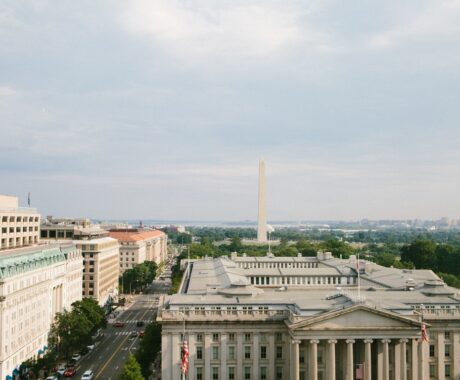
[[41, 352], [8, 377], [15, 371]]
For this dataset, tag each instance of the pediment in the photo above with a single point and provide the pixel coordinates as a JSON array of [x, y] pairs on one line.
[[358, 317]]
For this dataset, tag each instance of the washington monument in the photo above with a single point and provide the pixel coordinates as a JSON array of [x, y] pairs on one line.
[[262, 216]]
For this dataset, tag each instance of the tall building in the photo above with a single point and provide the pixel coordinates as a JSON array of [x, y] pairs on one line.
[[101, 271], [35, 283], [262, 216], [137, 246], [312, 318], [19, 225]]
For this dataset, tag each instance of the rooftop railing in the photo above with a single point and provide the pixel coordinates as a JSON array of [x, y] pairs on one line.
[[224, 315]]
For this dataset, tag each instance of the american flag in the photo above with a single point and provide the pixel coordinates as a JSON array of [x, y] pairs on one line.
[[424, 334], [184, 355]]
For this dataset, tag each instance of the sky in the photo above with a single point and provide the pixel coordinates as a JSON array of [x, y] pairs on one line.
[[161, 109]]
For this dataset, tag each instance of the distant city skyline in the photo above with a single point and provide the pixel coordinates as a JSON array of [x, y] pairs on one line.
[[162, 109]]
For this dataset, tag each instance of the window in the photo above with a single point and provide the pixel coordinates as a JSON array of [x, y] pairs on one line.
[[432, 352], [199, 373], [447, 350], [432, 370], [279, 337], [215, 337], [199, 337], [215, 373], [263, 352], [247, 337], [279, 352], [199, 352], [279, 373], [447, 335], [263, 373], [447, 370], [247, 373], [231, 352], [215, 353], [247, 352], [231, 373], [231, 337]]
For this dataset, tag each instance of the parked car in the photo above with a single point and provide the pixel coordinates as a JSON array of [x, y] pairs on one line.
[[61, 369], [118, 324], [76, 357], [140, 323], [70, 372], [88, 375], [84, 350], [90, 347], [52, 378], [133, 334], [141, 334]]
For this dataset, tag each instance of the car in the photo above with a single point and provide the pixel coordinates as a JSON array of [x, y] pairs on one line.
[[88, 375], [84, 350], [61, 369], [90, 347], [133, 334], [140, 323], [52, 378], [141, 334], [118, 324], [70, 372], [76, 357]]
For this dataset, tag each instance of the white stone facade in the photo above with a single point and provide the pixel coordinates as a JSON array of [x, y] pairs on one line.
[[238, 329], [35, 284], [19, 226]]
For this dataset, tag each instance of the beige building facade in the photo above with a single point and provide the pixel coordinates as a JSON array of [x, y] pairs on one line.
[[310, 319], [19, 226], [100, 268], [35, 283], [137, 246]]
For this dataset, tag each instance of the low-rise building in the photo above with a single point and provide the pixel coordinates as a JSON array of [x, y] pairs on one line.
[[19, 226], [138, 245], [35, 283], [53, 228], [302, 318]]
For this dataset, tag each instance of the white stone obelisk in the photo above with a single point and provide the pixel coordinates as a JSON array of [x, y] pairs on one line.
[[262, 216]]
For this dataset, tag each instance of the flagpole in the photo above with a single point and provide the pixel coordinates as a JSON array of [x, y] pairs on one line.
[[359, 280]]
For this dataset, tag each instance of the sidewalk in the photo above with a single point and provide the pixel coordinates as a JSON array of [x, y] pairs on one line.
[[118, 312]]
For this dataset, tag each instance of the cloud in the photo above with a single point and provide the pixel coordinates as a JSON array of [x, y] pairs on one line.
[[225, 29]]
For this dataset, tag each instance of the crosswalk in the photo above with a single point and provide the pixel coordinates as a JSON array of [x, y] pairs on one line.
[[123, 333], [146, 321]]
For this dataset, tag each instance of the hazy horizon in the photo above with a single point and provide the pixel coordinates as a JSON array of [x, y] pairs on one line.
[[161, 109]]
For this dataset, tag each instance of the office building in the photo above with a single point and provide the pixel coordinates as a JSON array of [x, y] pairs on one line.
[[19, 226], [35, 283], [138, 245], [310, 318]]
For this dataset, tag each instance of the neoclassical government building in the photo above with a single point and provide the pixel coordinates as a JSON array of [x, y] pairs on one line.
[[312, 318]]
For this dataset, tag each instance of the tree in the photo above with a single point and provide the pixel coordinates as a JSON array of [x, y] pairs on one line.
[[131, 370], [421, 253], [149, 347], [92, 311]]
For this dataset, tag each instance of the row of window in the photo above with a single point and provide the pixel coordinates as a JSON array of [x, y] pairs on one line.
[[232, 337], [277, 265], [11, 230], [447, 371], [231, 373], [19, 219], [231, 352], [447, 350]]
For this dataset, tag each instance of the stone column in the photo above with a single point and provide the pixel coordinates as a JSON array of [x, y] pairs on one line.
[[207, 357], [386, 359], [223, 356], [271, 356], [330, 365], [192, 355], [176, 359], [255, 354], [314, 359], [166, 356], [403, 364], [422, 360], [414, 359], [350, 364], [295, 374], [455, 353], [440, 354], [239, 356], [368, 359]]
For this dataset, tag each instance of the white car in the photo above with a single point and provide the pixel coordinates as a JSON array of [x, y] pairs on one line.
[[52, 378], [88, 375], [76, 357], [61, 369]]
